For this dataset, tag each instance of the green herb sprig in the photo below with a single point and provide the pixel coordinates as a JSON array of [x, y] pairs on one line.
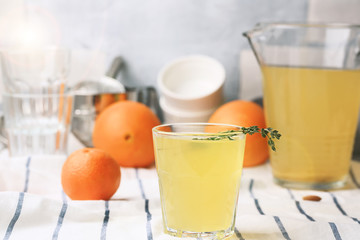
[[268, 133]]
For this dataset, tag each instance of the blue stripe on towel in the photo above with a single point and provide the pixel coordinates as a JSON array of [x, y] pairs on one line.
[[297, 203], [291, 194], [253, 197], [148, 214], [335, 231], [61, 217], [353, 178], [105, 222], [251, 188], [341, 209], [27, 174], [258, 206], [20, 201], [282, 228], [15, 217], [298, 206], [277, 219], [238, 234]]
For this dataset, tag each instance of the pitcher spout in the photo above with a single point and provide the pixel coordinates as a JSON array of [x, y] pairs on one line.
[[250, 35], [306, 45]]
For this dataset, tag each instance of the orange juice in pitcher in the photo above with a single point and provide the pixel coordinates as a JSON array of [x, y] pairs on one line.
[[311, 83], [316, 111]]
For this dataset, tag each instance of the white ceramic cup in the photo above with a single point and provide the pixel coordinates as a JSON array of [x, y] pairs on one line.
[[192, 83]]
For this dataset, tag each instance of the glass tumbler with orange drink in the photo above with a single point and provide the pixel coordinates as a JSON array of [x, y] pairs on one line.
[[199, 168]]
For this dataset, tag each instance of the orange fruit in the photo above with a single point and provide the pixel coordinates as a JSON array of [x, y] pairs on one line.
[[105, 100], [245, 114], [124, 130], [90, 174]]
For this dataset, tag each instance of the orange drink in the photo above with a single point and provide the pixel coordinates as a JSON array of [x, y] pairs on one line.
[[199, 178], [316, 110]]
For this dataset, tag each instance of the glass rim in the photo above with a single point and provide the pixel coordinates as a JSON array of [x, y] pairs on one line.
[[37, 95], [11, 54], [263, 25], [157, 131]]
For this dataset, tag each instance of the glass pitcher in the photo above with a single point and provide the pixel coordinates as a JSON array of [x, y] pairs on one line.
[[311, 85]]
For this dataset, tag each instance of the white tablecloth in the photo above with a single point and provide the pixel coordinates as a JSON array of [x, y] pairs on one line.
[[33, 206]]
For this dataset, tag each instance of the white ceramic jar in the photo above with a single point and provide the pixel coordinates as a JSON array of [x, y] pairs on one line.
[[191, 88]]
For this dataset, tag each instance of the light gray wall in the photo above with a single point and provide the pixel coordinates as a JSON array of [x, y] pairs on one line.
[[150, 33]]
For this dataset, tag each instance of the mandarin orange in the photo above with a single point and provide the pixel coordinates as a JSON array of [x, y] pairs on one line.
[[90, 174], [245, 114]]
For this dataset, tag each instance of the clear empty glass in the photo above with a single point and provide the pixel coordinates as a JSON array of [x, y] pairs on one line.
[[37, 124], [311, 83], [35, 70], [37, 108], [199, 168]]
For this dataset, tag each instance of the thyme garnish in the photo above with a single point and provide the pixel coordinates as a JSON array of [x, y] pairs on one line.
[[268, 133]]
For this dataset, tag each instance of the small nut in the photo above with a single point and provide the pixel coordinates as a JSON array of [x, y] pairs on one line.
[[312, 198]]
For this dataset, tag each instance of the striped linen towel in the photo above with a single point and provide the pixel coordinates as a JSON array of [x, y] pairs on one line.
[[33, 206]]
